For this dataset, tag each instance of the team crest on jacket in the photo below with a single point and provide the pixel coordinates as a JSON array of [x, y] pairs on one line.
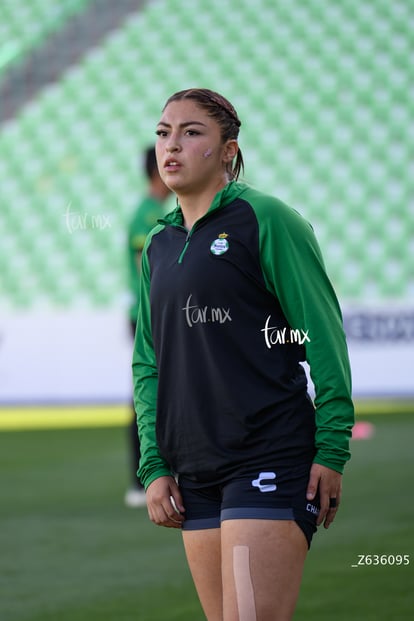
[[220, 245]]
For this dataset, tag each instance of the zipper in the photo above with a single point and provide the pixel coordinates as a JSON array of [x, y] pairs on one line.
[[184, 250], [213, 208], [196, 225]]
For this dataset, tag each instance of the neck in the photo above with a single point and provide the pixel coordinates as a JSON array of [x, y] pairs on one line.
[[195, 206]]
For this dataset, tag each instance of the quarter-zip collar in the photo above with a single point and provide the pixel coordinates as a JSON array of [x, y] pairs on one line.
[[224, 197]]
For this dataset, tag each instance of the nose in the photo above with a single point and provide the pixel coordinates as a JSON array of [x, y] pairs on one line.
[[172, 147], [172, 144]]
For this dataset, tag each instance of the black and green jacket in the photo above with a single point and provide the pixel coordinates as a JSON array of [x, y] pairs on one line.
[[228, 312]]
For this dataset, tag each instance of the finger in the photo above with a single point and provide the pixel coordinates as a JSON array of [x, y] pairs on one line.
[[323, 512], [312, 485], [164, 514], [173, 515], [334, 502], [177, 500], [170, 523], [324, 496], [329, 507], [331, 514]]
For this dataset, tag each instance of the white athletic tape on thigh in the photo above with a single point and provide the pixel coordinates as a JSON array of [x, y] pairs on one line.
[[243, 582]]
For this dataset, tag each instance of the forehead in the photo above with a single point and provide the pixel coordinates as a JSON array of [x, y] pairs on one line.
[[184, 111]]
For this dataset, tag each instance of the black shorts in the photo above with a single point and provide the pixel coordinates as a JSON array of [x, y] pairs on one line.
[[268, 494]]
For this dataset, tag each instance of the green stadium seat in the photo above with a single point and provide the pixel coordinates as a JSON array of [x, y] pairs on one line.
[[323, 91]]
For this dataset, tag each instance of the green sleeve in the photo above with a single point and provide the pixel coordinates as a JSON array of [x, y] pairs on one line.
[[145, 378], [294, 271]]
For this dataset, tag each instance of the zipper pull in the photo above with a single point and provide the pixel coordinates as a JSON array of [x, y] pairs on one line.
[[187, 241]]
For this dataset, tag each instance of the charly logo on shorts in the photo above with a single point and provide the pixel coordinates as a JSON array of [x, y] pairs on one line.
[[220, 245], [312, 509], [260, 482]]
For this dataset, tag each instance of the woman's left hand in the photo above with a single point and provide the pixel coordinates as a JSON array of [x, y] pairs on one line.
[[329, 483]]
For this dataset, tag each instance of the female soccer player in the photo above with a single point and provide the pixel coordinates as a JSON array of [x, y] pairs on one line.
[[234, 295]]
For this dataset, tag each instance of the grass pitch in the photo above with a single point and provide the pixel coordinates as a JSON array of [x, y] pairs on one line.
[[70, 550]]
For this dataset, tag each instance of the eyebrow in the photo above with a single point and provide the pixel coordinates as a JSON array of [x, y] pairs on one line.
[[182, 125]]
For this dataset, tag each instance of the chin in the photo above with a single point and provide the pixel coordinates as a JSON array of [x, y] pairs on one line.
[[175, 185]]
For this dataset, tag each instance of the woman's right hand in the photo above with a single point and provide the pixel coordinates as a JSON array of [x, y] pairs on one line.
[[165, 503]]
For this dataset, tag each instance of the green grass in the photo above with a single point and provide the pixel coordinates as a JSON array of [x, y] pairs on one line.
[[69, 550], [376, 517]]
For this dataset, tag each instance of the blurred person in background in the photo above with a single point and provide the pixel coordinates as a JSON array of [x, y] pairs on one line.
[[149, 209], [234, 295]]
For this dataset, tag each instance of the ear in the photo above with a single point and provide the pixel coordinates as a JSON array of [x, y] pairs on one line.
[[230, 149]]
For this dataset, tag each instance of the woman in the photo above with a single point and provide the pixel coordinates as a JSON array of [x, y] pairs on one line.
[[234, 296]]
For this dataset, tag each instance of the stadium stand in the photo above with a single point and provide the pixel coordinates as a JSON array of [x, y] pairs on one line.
[[324, 91]]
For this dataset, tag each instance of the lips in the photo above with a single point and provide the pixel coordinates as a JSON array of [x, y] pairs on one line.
[[171, 165]]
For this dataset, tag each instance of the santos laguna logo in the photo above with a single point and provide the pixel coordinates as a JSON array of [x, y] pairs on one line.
[[280, 336]]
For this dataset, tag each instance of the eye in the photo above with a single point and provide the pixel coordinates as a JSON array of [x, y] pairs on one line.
[[192, 132], [161, 133]]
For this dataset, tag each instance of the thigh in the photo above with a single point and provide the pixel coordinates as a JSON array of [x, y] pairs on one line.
[[262, 564], [202, 543], [203, 551]]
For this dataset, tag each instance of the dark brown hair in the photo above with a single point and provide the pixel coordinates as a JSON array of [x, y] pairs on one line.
[[223, 112], [150, 161]]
